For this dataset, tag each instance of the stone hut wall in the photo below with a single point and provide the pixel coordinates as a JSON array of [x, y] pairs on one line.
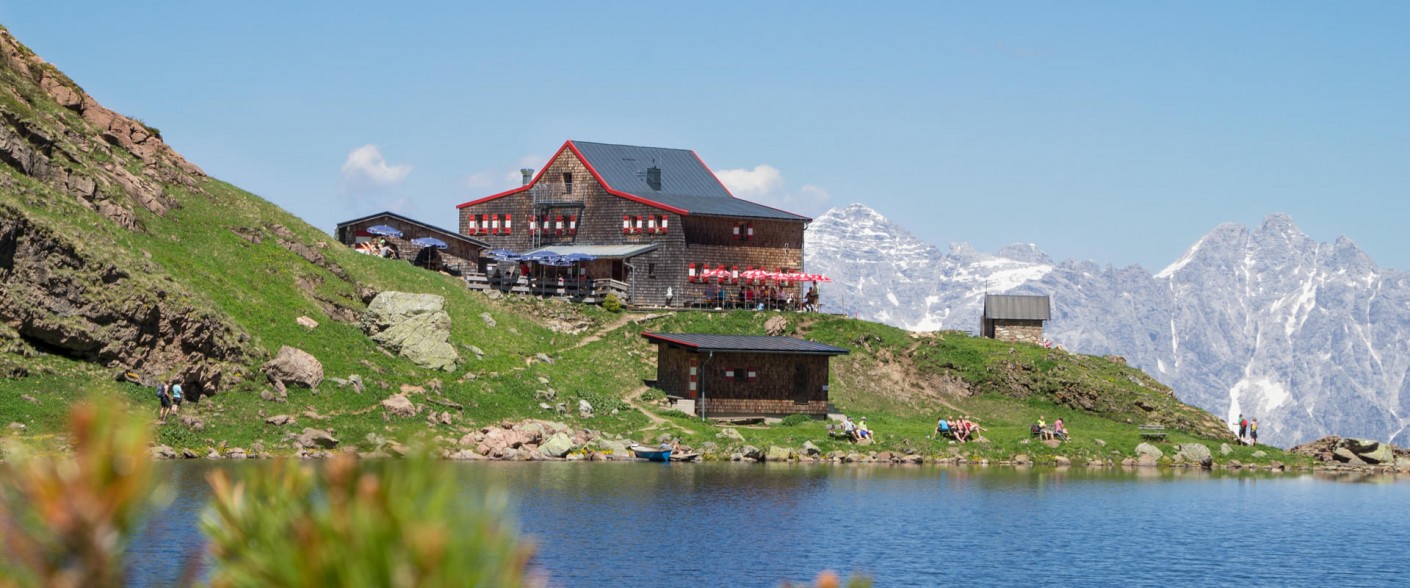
[[1022, 331]]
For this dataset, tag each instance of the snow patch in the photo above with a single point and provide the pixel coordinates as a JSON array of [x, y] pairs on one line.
[[1182, 262], [892, 297], [1265, 395]]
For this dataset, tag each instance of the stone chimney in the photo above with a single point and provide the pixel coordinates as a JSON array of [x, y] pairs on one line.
[[528, 173], [653, 178]]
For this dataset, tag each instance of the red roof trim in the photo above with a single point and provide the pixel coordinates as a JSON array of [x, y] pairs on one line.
[[520, 188], [619, 193], [731, 194], [656, 337]]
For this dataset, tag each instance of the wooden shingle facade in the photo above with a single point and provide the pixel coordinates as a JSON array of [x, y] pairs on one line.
[[601, 194], [732, 375], [461, 255]]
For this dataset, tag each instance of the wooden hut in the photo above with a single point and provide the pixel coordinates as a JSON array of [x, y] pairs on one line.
[[670, 211], [1010, 317], [738, 375], [461, 255]]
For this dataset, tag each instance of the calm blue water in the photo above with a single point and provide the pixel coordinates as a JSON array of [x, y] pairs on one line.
[[757, 525]]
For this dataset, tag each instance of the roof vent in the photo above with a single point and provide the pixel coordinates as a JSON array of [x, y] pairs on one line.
[[528, 173], [653, 178]]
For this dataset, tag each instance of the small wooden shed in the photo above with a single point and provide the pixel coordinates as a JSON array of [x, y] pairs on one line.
[[461, 255], [1009, 317], [743, 375]]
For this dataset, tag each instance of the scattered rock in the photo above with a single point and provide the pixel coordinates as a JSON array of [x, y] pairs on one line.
[[752, 452], [162, 452], [236, 453], [542, 357], [307, 323], [810, 449], [1022, 459], [557, 446], [311, 438], [192, 423], [293, 366], [281, 420], [1260, 454], [1099, 442], [731, 434], [584, 408], [1196, 452], [1147, 460], [357, 384], [17, 426], [776, 326], [777, 453], [479, 353], [399, 405], [1224, 449], [489, 321], [1062, 461], [1148, 449]]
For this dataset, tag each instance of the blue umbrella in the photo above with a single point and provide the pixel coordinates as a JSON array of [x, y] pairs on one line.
[[384, 231], [540, 256], [579, 257], [429, 242], [502, 254]]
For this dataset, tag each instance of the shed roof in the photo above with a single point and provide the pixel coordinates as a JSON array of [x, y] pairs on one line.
[[1017, 307], [744, 343], [429, 228], [687, 185], [600, 251]]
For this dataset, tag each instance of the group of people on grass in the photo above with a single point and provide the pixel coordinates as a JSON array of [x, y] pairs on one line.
[[169, 395], [1248, 431], [1057, 431], [856, 432], [962, 429]]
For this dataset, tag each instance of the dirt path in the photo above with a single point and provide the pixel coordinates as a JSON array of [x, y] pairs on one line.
[[656, 421], [621, 321]]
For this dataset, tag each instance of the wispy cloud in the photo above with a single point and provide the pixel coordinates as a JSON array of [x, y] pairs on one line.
[[765, 184], [368, 181]]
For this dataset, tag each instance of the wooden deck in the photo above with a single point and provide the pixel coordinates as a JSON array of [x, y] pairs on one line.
[[586, 292]]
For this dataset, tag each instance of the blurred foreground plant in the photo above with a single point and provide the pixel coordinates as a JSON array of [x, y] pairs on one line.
[[368, 523], [66, 519], [829, 579]]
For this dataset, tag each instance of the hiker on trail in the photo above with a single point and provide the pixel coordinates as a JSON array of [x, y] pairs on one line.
[[1243, 429], [1253, 432], [175, 397], [164, 396]]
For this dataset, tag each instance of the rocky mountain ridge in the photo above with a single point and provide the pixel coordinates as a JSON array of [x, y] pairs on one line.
[[1309, 337]]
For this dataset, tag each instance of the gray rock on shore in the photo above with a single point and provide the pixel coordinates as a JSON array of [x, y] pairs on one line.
[[413, 326]]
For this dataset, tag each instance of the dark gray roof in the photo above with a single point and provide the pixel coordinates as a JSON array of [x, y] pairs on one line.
[[685, 181], [742, 343], [443, 232], [1015, 307]]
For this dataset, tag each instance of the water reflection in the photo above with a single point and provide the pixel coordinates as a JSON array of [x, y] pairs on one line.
[[757, 524]]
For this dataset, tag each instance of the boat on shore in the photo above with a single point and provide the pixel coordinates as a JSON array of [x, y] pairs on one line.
[[652, 453]]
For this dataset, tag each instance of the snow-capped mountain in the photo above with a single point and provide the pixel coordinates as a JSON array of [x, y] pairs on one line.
[[1311, 338]]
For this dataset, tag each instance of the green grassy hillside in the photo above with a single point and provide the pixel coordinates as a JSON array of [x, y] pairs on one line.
[[118, 256]]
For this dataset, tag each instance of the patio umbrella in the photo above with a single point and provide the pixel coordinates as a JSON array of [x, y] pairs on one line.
[[429, 242], [503, 254], [579, 257], [384, 231]]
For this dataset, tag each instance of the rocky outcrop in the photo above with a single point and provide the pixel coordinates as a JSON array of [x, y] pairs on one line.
[[1350, 451], [413, 326], [293, 367], [63, 297]]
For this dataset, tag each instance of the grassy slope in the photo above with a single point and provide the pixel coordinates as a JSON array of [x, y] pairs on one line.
[[901, 382], [890, 376]]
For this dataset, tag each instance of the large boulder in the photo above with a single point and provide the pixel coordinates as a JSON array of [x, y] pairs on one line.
[[293, 367], [414, 326], [1148, 449], [399, 405], [1196, 452], [557, 446], [311, 438], [1381, 454], [777, 453]]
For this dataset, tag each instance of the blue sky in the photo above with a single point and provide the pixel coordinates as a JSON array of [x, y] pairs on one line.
[[1118, 132]]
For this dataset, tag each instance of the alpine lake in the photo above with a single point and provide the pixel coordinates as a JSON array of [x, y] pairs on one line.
[[733, 524]]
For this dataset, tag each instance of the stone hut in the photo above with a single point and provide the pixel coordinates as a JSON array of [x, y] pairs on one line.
[[1010, 317], [461, 255], [665, 215], [738, 375]]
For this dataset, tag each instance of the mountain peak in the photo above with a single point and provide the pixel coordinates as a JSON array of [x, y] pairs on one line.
[[1024, 252]]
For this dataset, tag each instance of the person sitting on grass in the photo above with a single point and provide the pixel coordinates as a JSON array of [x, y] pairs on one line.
[[849, 429], [942, 428], [1059, 430], [1043, 432], [863, 432], [972, 428], [959, 430]]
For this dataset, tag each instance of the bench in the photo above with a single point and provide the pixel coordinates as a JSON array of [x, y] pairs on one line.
[[1156, 432]]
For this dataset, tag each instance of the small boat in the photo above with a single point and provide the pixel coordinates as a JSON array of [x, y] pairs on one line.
[[652, 453]]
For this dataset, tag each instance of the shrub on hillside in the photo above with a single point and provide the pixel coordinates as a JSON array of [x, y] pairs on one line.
[[611, 303], [794, 420]]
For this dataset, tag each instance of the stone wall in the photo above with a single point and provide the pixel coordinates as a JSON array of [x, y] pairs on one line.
[[1022, 331]]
